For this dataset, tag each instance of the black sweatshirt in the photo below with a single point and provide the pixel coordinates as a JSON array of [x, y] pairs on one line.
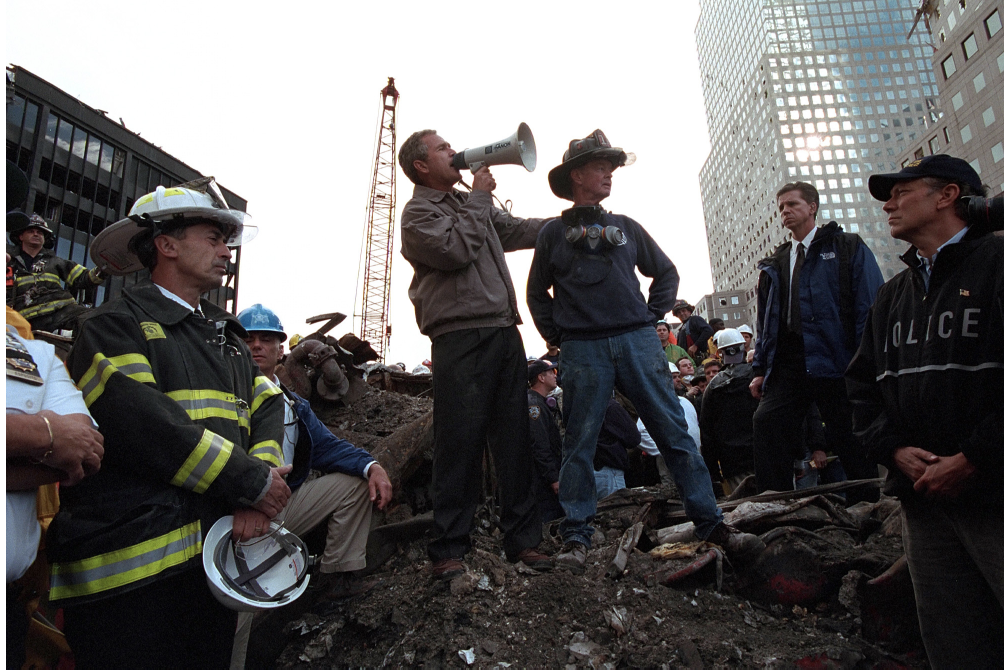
[[597, 293]]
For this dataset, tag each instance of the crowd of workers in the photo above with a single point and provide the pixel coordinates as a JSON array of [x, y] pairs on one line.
[[181, 455]]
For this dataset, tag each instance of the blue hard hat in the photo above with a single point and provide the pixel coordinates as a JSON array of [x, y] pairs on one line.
[[260, 318]]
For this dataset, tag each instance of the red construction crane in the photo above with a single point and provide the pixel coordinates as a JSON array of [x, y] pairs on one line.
[[379, 242]]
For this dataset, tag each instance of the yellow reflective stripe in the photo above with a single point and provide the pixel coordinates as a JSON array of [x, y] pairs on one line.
[[124, 566], [201, 404], [29, 312], [37, 277], [268, 451], [75, 274], [92, 383], [204, 463], [263, 389]]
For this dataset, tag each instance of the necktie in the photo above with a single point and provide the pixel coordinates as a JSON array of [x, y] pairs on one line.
[[794, 309]]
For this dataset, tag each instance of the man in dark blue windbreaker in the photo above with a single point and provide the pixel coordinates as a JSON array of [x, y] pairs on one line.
[[332, 481], [813, 298]]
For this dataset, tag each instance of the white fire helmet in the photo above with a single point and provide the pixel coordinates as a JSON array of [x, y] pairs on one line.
[[162, 210], [727, 337], [264, 573], [731, 346]]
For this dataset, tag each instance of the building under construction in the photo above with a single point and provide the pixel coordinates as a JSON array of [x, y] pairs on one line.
[[85, 171]]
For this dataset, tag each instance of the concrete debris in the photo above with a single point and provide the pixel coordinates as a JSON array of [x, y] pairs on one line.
[[463, 584], [677, 534], [617, 619], [627, 544], [829, 591], [848, 596]]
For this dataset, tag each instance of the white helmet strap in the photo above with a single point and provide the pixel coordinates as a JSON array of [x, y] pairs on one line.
[[246, 582]]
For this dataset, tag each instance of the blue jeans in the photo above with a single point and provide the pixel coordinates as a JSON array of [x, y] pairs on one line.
[[608, 481], [636, 364]]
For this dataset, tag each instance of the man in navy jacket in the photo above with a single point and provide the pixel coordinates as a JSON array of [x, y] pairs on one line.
[[606, 330], [350, 478], [927, 386], [812, 302], [332, 480]]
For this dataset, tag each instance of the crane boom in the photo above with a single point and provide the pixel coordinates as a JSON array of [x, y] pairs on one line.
[[375, 310]]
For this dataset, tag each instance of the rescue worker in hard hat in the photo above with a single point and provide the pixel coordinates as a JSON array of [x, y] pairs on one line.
[[187, 419], [332, 480], [727, 414], [43, 285]]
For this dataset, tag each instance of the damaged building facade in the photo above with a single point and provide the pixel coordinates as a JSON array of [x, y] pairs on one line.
[[85, 171]]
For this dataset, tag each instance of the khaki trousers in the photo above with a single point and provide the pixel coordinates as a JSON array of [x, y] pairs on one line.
[[344, 501]]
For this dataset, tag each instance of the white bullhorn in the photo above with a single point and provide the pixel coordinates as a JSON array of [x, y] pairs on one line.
[[518, 149]]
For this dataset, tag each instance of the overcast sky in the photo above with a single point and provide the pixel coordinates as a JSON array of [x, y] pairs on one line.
[[280, 102]]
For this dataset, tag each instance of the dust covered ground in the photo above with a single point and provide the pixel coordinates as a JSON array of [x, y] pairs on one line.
[[499, 615], [377, 415], [504, 616]]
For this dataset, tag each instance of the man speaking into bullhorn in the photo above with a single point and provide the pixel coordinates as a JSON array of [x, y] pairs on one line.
[[465, 302]]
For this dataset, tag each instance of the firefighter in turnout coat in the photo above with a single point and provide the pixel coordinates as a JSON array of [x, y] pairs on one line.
[[43, 284], [191, 431]]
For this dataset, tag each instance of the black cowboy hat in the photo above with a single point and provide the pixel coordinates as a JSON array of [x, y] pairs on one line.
[[580, 152]]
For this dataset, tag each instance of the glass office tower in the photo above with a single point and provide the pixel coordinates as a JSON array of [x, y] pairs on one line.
[[822, 92]]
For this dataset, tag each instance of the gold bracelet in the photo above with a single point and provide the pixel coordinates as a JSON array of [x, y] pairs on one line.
[[52, 441]]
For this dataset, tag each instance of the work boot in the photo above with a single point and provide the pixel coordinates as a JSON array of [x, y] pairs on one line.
[[573, 556], [534, 559], [738, 545], [446, 569]]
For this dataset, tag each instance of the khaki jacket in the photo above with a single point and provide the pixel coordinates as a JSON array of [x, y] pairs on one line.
[[461, 277]]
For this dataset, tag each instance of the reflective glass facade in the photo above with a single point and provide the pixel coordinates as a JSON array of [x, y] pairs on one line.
[[822, 92], [969, 36], [86, 171]]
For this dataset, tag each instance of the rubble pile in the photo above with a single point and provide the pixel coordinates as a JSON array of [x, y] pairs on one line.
[[829, 592]]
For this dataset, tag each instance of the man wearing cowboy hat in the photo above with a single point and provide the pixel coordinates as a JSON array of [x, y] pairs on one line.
[[43, 284], [606, 330], [190, 426], [694, 332]]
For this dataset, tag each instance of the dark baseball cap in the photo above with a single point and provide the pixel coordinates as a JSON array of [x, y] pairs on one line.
[[936, 165], [537, 367]]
